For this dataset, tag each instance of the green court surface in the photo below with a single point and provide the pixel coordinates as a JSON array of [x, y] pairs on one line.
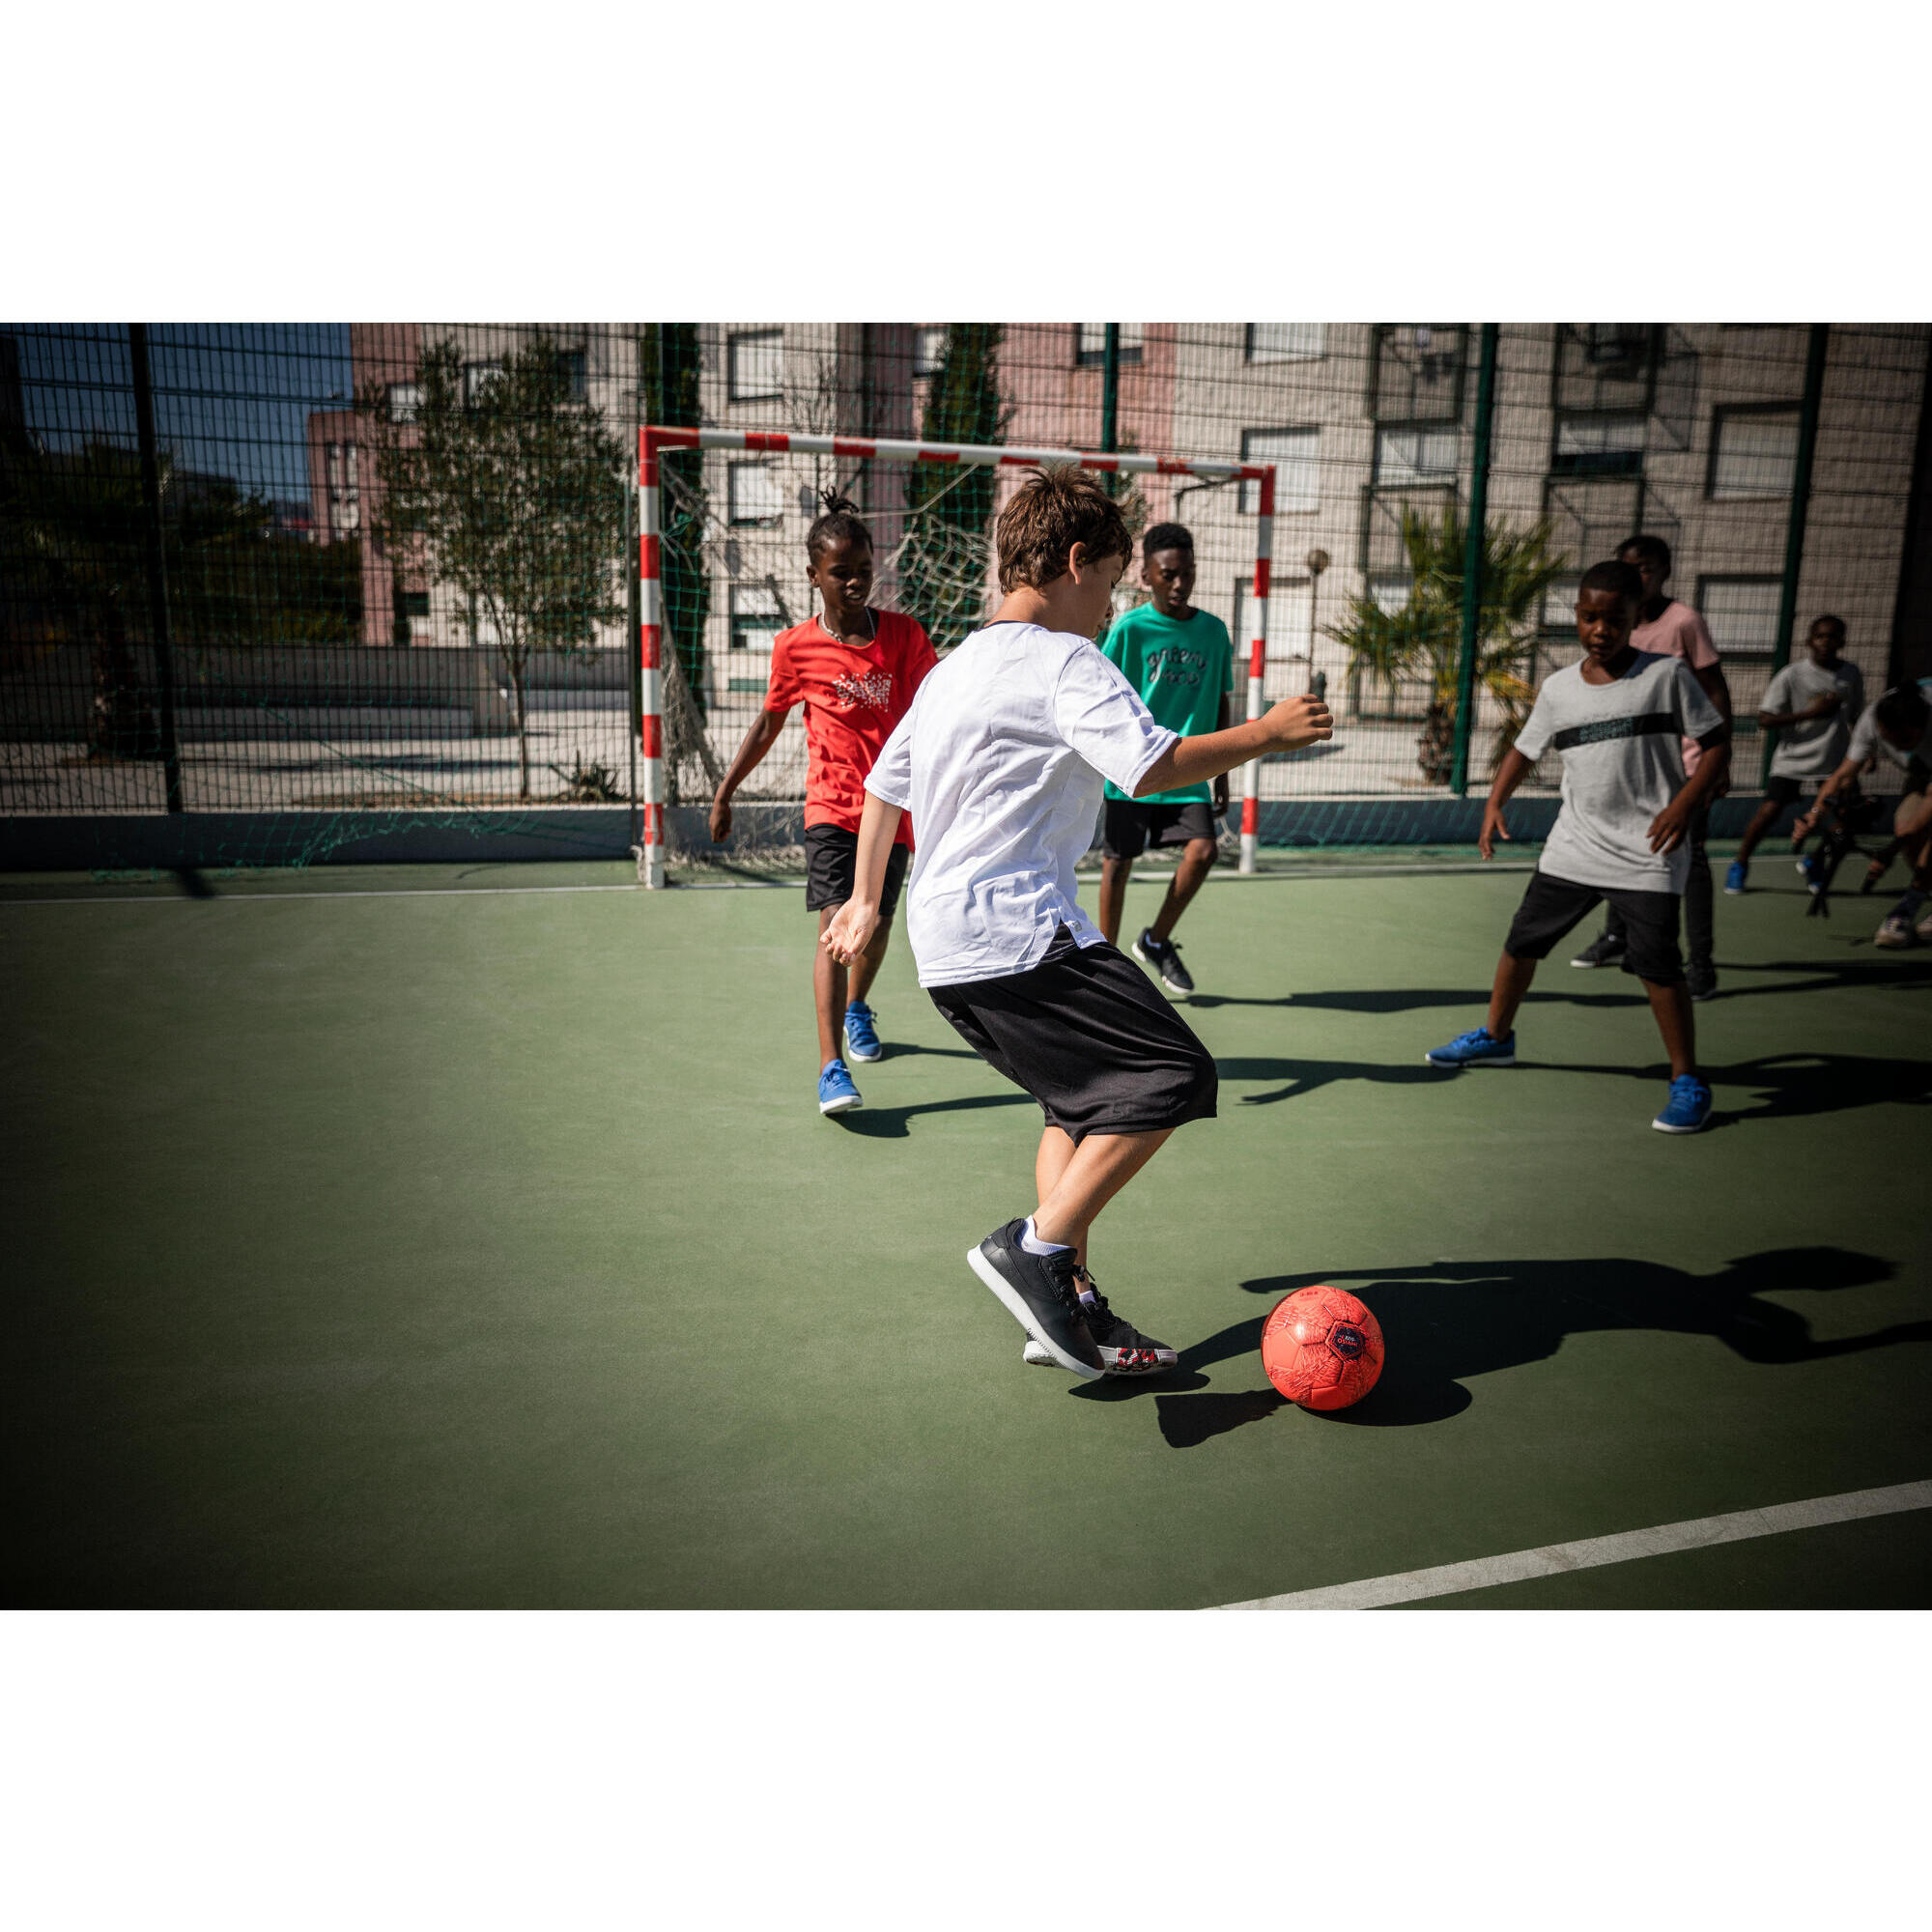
[[417, 1238]]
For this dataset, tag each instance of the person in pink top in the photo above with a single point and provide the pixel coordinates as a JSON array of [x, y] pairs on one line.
[[1666, 628]]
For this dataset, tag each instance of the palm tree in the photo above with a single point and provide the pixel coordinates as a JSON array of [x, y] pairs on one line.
[[1425, 636]]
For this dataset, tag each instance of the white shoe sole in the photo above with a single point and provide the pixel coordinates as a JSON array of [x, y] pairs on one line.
[[1462, 1066], [1037, 1357], [1172, 993], [1591, 965], [850, 1106], [1015, 1306], [1664, 1128], [853, 1054]]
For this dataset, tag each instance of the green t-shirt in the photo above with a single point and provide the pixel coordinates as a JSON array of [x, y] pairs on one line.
[[1181, 668]]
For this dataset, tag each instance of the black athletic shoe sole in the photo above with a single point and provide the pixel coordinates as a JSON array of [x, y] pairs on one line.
[[987, 1266], [1174, 989]]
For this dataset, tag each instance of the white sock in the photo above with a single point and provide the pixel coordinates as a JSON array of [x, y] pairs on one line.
[[1034, 1245]]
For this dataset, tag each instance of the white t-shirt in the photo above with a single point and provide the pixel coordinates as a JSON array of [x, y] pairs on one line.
[[1867, 741], [1810, 750], [1001, 761], [1622, 766]]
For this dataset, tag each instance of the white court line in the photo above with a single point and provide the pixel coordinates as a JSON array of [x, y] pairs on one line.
[[1556, 1559]]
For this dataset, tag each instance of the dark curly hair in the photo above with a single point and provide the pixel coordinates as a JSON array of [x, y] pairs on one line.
[[1167, 536], [837, 523], [1612, 575]]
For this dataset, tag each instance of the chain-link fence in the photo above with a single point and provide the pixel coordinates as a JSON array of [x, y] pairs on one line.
[[323, 583]]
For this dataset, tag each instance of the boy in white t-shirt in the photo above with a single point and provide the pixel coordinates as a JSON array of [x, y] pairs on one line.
[[1002, 760], [1668, 627], [1618, 718], [1810, 704], [1894, 728]]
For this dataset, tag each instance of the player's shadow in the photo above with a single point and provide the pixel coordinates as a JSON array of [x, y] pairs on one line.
[[889, 1123], [1450, 1321], [1613, 989], [1300, 1077], [1793, 1085]]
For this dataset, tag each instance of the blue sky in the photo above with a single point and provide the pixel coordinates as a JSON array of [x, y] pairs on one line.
[[231, 398]]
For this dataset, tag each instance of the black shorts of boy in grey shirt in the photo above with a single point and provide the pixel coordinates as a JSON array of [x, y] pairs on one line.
[[1622, 764]]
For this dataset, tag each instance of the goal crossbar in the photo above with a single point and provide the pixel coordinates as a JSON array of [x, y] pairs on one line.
[[654, 438]]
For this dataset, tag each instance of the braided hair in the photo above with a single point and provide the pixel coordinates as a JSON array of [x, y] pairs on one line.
[[837, 523]]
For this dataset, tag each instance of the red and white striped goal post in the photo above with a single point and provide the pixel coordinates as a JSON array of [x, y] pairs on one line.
[[653, 439]]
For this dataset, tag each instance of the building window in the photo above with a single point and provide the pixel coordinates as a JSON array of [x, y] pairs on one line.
[[1559, 603], [345, 501], [1291, 611], [1742, 612], [1295, 454], [756, 617], [1389, 593], [1286, 341], [1089, 343], [1415, 371], [757, 366], [1753, 452], [1591, 445], [404, 400], [1411, 458], [576, 374], [478, 377], [752, 493], [929, 348]]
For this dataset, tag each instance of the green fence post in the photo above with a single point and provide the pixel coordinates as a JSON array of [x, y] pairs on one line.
[[157, 572], [1473, 563], [1110, 392], [1794, 529]]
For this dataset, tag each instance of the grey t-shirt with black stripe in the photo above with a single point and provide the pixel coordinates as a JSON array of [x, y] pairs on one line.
[[1622, 766]]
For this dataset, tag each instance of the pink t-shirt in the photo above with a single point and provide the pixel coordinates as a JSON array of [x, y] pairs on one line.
[[1679, 632]]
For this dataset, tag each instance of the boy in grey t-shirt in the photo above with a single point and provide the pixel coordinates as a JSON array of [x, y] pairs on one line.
[[1810, 704], [1618, 718]]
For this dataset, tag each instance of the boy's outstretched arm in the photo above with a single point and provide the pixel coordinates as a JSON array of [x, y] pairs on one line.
[[759, 740], [1286, 726], [1847, 774], [1668, 828], [1509, 775], [857, 920]]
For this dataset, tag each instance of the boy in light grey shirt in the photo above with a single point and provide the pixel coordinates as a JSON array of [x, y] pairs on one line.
[[1810, 704], [1618, 718]]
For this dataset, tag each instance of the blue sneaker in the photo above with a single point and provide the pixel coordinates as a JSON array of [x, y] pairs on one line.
[[1734, 879], [862, 1034], [837, 1093], [1688, 1111], [1813, 870], [1474, 1048]]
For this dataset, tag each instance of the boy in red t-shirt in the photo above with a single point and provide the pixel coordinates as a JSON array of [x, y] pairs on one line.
[[855, 671]]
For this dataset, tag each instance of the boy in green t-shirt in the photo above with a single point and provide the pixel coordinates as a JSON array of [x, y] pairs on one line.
[[1181, 662]]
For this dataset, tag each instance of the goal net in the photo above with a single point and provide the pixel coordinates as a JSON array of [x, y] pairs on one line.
[[723, 516]]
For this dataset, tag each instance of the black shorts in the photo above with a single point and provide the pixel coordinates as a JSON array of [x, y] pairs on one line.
[[1552, 908], [1916, 774], [1782, 791], [1128, 827], [1086, 1034], [831, 858]]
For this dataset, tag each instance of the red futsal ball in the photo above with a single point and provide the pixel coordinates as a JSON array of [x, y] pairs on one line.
[[1322, 1347]]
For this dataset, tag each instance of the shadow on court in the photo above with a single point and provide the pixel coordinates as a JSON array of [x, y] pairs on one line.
[[889, 1123], [1605, 989], [1452, 1321]]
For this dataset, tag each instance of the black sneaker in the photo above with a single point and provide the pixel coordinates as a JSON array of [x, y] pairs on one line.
[[1164, 956], [1038, 1293], [1606, 949], [1124, 1350], [1703, 986]]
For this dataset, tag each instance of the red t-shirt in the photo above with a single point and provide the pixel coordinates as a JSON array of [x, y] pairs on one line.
[[853, 696]]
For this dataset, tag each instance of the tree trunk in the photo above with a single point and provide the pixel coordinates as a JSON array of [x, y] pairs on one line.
[[1436, 749], [515, 662], [123, 723]]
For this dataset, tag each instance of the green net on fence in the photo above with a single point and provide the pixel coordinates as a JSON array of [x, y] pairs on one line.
[[277, 594]]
